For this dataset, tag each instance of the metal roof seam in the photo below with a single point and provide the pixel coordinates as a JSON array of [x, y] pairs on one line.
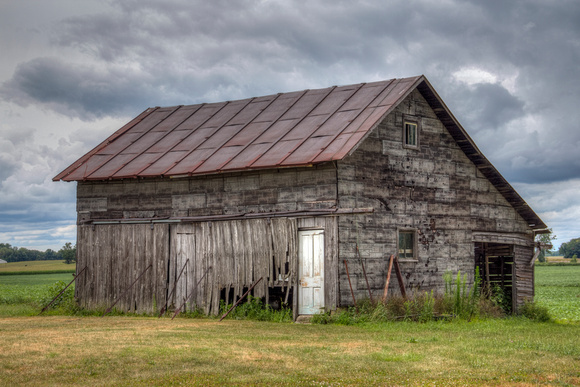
[[86, 176], [252, 142], [281, 161], [136, 174], [350, 122], [272, 122], [121, 150], [193, 131], [215, 132], [385, 89], [66, 172], [167, 134], [224, 125], [250, 121], [283, 135], [360, 86], [402, 95]]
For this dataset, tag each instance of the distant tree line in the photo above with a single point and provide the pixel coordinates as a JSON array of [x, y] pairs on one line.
[[15, 254], [568, 250]]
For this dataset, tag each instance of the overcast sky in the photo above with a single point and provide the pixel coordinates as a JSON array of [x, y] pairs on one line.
[[72, 72]]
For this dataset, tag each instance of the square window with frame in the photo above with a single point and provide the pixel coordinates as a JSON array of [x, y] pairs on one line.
[[411, 130], [407, 245]]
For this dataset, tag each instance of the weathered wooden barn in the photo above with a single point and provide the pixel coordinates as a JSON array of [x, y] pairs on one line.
[[199, 202]]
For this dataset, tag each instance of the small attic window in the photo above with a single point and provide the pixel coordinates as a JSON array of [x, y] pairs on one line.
[[410, 134]]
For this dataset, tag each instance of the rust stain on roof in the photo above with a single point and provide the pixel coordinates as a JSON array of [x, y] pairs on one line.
[[288, 129]]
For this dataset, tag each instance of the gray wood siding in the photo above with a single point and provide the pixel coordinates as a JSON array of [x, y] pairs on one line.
[[435, 190], [238, 252], [524, 288], [115, 255], [291, 189]]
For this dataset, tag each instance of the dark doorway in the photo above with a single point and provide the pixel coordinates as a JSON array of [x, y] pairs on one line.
[[496, 268]]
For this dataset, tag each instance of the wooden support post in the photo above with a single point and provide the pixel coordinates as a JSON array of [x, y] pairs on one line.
[[391, 259], [164, 309], [487, 279], [365, 274], [502, 263], [192, 293], [349, 284], [400, 278]]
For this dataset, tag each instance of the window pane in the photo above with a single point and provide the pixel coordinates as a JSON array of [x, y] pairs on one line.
[[410, 133], [406, 244]]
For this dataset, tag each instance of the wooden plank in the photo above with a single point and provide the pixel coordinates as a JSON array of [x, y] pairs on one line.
[[385, 292], [161, 248], [330, 262], [400, 278]]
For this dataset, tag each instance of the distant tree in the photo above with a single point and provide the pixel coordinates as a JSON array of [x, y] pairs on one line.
[[574, 259], [545, 238], [50, 255], [16, 254], [569, 249], [7, 252], [68, 253]]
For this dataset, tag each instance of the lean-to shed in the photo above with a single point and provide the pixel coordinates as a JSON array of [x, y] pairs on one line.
[[203, 200]]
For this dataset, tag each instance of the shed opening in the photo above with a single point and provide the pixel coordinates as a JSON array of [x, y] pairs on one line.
[[496, 267]]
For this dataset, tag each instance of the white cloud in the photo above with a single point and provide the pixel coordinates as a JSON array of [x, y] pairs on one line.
[[474, 75]]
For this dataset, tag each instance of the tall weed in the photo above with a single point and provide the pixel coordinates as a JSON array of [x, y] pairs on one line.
[[459, 301]]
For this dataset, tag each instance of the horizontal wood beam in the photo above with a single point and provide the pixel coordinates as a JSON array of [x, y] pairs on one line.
[[249, 215]]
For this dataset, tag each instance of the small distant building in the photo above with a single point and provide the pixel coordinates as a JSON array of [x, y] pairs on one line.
[[3, 261], [203, 201]]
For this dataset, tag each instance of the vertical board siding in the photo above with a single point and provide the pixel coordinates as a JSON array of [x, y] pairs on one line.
[[115, 255], [524, 275], [239, 252], [195, 262]]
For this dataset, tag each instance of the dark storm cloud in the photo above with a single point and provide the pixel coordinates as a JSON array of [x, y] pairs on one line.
[[490, 105], [149, 53], [78, 90]]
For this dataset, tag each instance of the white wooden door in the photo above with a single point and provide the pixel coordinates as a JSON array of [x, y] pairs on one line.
[[311, 272]]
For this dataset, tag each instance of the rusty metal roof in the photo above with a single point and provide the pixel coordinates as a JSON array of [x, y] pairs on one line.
[[282, 130]]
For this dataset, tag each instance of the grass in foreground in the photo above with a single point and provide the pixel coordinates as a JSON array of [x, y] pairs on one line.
[[149, 351]]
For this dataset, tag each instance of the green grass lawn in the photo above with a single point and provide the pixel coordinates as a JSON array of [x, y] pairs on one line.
[[558, 288], [125, 350], [62, 350]]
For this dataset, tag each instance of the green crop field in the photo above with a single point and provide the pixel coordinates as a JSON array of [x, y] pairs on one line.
[[558, 288], [26, 294], [36, 267]]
